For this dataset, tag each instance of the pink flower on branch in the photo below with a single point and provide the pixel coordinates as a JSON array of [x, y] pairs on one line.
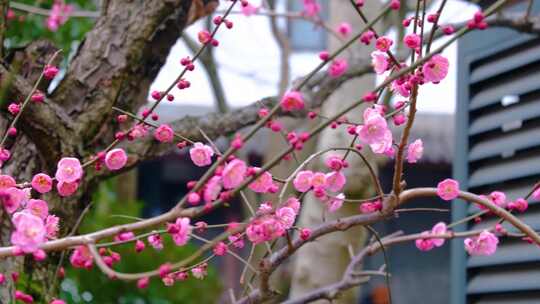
[[448, 189], [483, 244], [201, 154], [29, 232]]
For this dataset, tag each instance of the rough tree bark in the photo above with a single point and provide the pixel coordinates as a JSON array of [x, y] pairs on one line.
[[330, 253]]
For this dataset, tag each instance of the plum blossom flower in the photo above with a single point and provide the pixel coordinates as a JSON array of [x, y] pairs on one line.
[[264, 229], [182, 229], [424, 244], [164, 133], [412, 41], [448, 189], [292, 101], [155, 241], [59, 15], [344, 29], [220, 249], [115, 159], [12, 198], [199, 272], [234, 174], [302, 180], [334, 203], [383, 44], [201, 154], [249, 9], [6, 181], [483, 244], [519, 204], [415, 150], [29, 232], [338, 67], [287, 216], [263, 183], [435, 69], [212, 189], [498, 198], [38, 207], [294, 203], [52, 226], [69, 170], [334, 181], [66, 189], [311, 8], [81, 257], [370, 207], [380, 62], [439, 228], [318, 181], [42, 183], [374, 128], [334, 162]]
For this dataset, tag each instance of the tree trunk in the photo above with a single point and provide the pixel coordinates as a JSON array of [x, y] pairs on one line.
[[330, 254]]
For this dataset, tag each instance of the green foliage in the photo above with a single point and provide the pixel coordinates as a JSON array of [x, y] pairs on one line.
[[94, 287], [27, 27]]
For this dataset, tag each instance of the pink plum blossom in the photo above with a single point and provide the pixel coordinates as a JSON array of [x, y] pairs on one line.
[[318, 180], [383, 44], [69, 170], [287, 216], [263, 183], [264, 229], [201, 154], [42, 183], [212, 189], [234, 174], [412, 41], [12, 198], [81, 257], [182, 235], [164, 133], [292, 101], [302, 181], [52, 226], [380, 62], [435, 69], [115, 159], [66, 189], [424, 244], [519, 204], [38, 207], [6, 181], [415, 150], [59, 15], [311, 8], [294, 203], [439, 228], [249, 9], [334, 162], [334, 181], [344, 29], [483, 244], [334, 203], [374, 128], [155, 241], [338, 67], [29, 232], [448, 189]]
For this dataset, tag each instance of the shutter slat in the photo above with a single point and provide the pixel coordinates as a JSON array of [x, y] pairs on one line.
[[514, 85], [493, 121], [505, 279], [505, 64], [504, 170]]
